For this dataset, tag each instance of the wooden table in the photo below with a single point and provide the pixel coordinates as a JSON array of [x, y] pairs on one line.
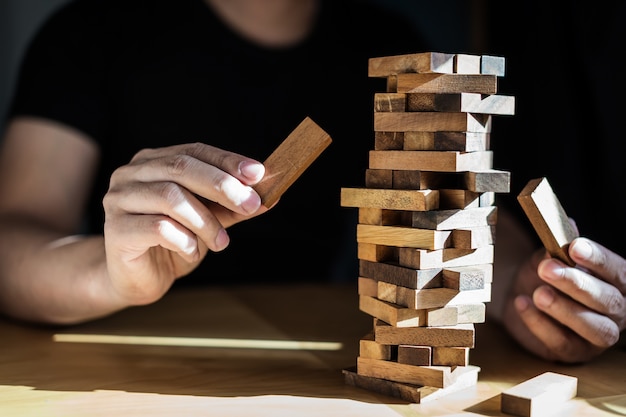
[[41, 376]]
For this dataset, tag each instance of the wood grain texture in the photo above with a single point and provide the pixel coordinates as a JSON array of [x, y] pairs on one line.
[[548, 217], [290, 159], [447, 161], [446, 83], [460, 335], [399, 236], [401, 275], [431, 122], [542, 395], [424, 62], [390, 199]]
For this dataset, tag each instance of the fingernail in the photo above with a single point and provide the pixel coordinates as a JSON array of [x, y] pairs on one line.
[[252, 170], [222, 240], [582, 249], [521, 303], [543, 296], [551, 270], [251, 202]]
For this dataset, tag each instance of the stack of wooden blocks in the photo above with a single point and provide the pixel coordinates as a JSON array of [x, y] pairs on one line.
[[427, 217]]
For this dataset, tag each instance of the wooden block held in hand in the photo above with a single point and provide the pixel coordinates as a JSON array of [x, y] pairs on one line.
[[548, 218], [295, 154]]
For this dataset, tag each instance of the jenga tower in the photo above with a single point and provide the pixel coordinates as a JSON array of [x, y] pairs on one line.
[[427, 219]]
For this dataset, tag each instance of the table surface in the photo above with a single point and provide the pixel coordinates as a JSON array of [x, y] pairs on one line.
[[42, 376]]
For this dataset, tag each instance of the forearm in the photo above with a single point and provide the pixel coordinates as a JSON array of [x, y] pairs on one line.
[[46, 277]]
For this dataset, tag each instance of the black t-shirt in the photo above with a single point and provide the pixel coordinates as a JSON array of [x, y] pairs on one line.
[[136, 74]]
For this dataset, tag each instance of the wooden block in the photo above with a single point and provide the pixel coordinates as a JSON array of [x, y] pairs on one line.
[[473, 237], [377, 253], [415, 355], [492, 65], [455, 218], [380, 217], [471, 312], [413, 200], [448, 161], [425, 62], [386, 291], [444, 258], [542, 395], [294, 155], [369, 348], [400, 275], [548, 218], [402, 236], [450, 356], [378, 178], [435, 376], [446, 83], [391, 313], [411, 392], [442, 316], [432, 122], [388, 140], [446, 141], [493, 180], [440, 297], [463, 199], [466, 64], [389, 102], [465, 278], [367, 287], [461, 102], [461, 335]]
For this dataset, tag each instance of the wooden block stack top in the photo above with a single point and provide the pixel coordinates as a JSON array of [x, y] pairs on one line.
[[427, 218]]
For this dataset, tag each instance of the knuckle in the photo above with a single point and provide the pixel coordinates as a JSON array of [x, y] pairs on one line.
[[179, 164], [170, 193]]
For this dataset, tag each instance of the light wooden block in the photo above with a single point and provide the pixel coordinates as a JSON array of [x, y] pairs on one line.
[[542, 395], [446, 83], [290, 159], [489, 180], [390, 199], [447, 161], [440, 297], [369, 348], [466, 64], [444, 258], [548, 217], [400, 275], [490, 64], [432, 122], [442, 316], [425, 62], [402, 236], [462, 102], [455, 218], [418, 394], [386, 291], [471, 312], [460, 335], [473, 237], [464, 278]]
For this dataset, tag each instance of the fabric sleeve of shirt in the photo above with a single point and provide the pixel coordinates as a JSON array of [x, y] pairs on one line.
[[62, 73]]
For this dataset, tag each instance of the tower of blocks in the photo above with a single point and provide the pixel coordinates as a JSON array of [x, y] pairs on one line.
[[426, 224]]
